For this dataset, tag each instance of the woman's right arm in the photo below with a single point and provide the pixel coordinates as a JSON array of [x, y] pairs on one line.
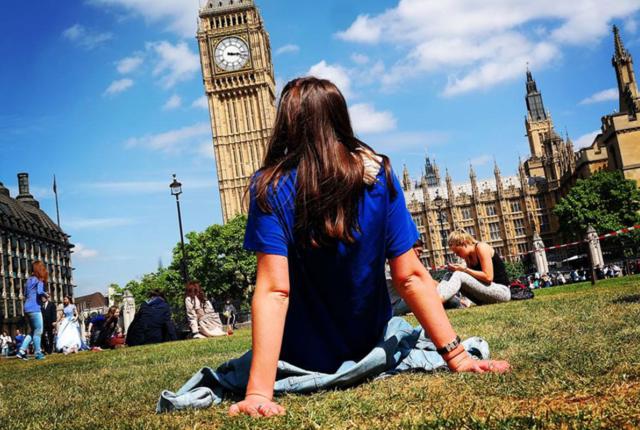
[[418, 289], [268, 310]]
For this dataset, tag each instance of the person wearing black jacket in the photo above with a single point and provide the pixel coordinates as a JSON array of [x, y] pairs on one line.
[[152, 323], [49, 317]]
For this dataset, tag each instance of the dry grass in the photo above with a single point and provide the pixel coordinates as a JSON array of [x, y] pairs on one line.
[[574, 351]]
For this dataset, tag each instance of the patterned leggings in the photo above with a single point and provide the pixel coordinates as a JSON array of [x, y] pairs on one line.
[[477, 291]]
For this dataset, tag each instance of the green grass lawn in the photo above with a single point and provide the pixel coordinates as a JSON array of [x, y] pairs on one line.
[[575, 353]]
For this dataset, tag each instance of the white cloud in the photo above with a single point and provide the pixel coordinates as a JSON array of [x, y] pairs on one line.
[[585, 140], [200, 102], [601, 96], [118, 86], [366, 120], [174, 102], [206, 150], [82, 252], [335, 73], [175, 63], [97, 223], [288, 49], [480, 160], [359, 58], [148, 187], [85, 38], [129, 64], [179, 15], [363, 29], [173, 141], [483, 44]]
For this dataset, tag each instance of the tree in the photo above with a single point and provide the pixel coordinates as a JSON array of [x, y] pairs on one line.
[[514, 269], [606, 200], [216, 258]]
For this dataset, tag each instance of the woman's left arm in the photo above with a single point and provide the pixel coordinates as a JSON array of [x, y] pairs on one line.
[[483, 252]]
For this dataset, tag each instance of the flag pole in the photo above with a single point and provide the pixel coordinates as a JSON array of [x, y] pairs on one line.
[[55, 191]]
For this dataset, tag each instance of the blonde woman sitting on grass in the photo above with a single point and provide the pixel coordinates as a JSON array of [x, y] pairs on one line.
[[484, 277]]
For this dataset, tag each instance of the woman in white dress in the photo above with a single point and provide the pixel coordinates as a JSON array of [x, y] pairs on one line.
[[69, 339], [204, 321]]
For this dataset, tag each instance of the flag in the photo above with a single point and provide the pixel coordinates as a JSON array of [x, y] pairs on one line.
[[55, 187]]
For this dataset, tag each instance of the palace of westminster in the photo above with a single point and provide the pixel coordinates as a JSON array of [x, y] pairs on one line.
[[238, 76]]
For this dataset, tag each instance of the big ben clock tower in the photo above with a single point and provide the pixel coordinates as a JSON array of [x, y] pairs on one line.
[[238, 79]]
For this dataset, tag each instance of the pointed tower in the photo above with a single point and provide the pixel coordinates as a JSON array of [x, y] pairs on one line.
[[498, 176], [474, 183], [450, 192], [538, 122], [406, 179], [627, 84], [436, 172], [430, 173]]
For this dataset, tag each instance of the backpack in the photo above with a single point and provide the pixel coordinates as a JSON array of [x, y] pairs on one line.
[[519, 291]]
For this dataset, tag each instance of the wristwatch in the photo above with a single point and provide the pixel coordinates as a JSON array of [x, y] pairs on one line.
[[450, 346]]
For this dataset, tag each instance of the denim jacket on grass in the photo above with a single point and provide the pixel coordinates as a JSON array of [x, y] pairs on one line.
[[402, 348]]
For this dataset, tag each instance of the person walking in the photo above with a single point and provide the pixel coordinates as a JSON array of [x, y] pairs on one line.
[[49, 317], [33, 290], [325, 213]]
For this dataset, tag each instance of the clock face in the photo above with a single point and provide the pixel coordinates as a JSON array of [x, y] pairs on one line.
[[231, 54]]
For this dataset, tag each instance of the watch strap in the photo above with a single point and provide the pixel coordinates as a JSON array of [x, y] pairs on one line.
[[450, 346]]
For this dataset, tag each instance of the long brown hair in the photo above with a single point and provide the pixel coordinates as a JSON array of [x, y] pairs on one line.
[[39, 270], [110, 313], [194, 290], [313, 132]]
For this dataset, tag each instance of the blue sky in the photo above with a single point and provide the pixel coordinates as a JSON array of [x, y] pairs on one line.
[[107, 95]]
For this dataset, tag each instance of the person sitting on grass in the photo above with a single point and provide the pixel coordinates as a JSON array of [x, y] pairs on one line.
[[152, 323], [484, 279], [325, 213], [109, 330], [204, 321]]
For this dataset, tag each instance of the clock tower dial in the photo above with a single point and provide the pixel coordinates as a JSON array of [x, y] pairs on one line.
[[238, 78], [231, 54]]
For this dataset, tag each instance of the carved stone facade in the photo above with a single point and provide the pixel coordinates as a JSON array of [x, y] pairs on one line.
[[28, 234], [513, 213], [237, 70]]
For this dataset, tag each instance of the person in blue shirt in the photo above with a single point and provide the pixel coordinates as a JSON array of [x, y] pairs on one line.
[[33, 290], [325, 213]]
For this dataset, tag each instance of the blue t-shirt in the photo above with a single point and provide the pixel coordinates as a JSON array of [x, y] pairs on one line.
[[338, 300], [33, 289]]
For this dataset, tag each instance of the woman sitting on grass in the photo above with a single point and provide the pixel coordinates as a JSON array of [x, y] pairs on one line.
[[484, 278], [325, 213], [204, 321], [109, 332]]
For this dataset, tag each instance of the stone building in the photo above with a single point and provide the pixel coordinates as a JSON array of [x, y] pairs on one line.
[[239, 83], [509, 212], [28, 234]]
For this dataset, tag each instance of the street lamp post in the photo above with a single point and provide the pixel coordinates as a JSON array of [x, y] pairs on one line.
[[439, 202], [176, 190]]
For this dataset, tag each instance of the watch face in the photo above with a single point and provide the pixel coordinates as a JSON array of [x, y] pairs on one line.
[[231, 54]]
